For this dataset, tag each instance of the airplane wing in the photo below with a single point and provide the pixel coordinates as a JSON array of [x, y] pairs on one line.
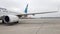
[[36, 13]]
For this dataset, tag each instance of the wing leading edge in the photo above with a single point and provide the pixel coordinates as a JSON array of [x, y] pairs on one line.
[[37, 13]]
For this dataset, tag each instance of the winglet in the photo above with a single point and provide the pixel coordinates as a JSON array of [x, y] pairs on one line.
[[26, 9]]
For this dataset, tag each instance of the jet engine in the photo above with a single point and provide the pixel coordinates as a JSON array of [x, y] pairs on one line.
[[9, 19]]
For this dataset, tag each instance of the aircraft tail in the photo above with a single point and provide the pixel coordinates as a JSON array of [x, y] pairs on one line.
[[26, 9]]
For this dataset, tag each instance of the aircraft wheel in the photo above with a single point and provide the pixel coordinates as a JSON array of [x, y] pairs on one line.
[[16, 22], [3, 22]]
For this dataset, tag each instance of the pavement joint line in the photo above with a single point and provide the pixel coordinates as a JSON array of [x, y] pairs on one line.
[[39, 28]]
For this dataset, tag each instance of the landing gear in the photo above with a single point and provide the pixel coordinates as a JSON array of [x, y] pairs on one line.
[[13, 23], [7, 23], [3, 22], [16, 22]]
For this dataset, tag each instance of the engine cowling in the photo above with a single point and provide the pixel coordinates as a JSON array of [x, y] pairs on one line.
[[10, 18]]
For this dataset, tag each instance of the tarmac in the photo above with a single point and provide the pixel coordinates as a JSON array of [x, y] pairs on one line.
[[32, 26]]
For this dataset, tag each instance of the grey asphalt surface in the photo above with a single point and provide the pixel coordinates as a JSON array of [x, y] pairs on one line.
[[32, 26]]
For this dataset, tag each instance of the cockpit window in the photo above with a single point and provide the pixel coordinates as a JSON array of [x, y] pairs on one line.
[[3, 9]]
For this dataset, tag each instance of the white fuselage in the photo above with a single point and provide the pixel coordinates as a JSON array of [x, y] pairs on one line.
[[4, 11]]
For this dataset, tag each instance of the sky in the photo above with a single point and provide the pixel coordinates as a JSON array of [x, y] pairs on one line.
[[34, 6]]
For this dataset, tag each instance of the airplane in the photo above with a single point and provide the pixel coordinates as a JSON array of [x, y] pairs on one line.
[[9, 17]]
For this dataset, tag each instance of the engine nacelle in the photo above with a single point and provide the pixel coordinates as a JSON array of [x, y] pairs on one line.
[[10, 18]]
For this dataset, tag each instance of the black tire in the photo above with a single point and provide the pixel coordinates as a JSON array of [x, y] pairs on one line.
[[13, 23], [3, 22], [9, 23], [16, 22]]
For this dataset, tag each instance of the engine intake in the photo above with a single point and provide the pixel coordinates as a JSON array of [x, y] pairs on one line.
[[10, 18], [7, 19]]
